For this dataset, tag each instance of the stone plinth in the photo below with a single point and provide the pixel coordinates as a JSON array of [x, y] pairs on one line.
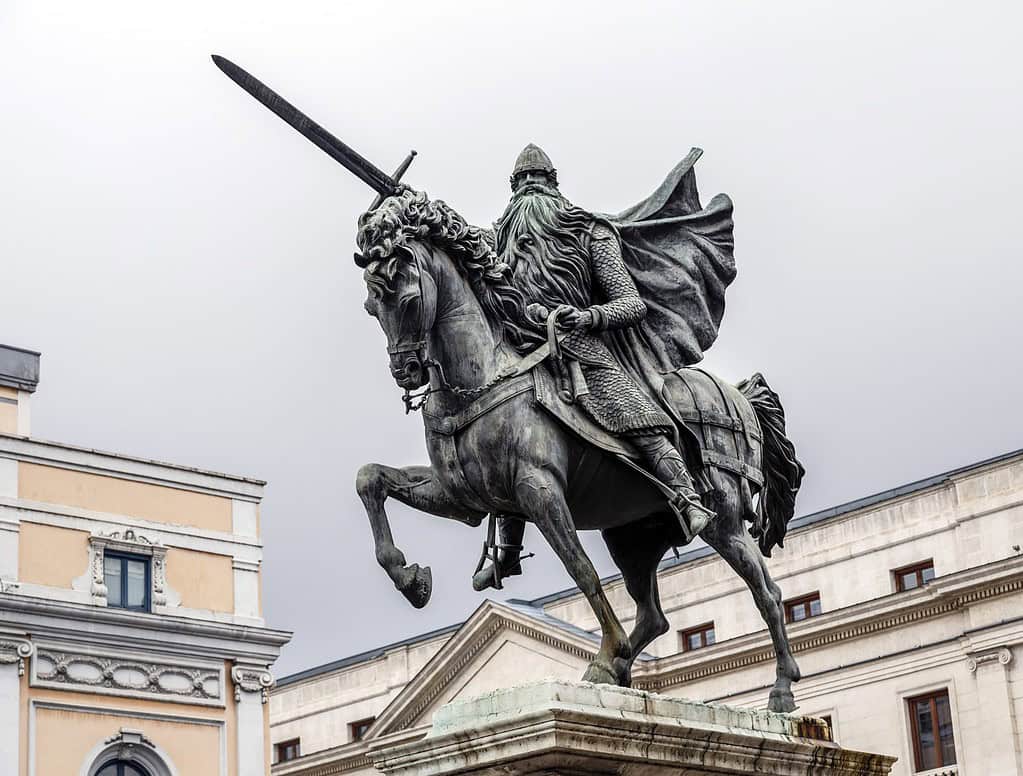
[[566, 729]]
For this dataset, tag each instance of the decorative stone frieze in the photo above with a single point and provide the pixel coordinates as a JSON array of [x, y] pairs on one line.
[[250, 678], [120, 675], [15, 651]]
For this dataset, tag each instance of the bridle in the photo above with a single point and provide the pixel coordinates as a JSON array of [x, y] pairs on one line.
[[417, 346], [415, 401]]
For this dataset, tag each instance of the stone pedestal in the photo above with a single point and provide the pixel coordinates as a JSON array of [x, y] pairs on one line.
[[565, 729]]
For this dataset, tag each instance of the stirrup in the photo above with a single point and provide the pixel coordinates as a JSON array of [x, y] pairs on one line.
[[683, 505], [492, 552]]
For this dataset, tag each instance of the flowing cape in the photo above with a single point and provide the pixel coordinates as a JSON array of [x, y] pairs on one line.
[[681, 257]]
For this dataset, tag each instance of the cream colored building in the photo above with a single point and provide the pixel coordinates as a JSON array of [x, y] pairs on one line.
[[906, 609], [132, 640]]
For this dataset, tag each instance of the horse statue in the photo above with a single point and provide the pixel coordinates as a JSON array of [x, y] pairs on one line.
[[501, 431], [501, 441]]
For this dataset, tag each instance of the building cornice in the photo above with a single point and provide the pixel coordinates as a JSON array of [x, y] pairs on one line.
[[127, 467], [833, 516], [19, 368], [86, 625], [939, 597]]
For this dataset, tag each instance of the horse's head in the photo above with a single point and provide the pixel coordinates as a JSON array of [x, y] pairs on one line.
[[413, 249], [402, 294]]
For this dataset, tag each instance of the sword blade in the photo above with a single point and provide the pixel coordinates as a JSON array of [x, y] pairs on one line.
[[358, 165]]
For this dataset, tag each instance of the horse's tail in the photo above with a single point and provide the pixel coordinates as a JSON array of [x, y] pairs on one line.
[[783, 472]]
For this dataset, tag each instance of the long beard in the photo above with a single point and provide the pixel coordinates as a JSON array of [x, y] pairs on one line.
[[541, 237]]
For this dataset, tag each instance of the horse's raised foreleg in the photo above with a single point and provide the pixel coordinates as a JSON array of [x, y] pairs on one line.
[[542, 498], [729, 537], [418, 487], [637, 549]]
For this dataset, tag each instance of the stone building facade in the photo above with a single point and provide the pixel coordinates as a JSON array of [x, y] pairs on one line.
[[905, 609], [132, 641]]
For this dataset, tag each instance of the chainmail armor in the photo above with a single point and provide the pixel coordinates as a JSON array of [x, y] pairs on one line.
[[624, 306], [614, 400]]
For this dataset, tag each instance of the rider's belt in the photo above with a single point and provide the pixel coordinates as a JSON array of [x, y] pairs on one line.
[[499, 394]]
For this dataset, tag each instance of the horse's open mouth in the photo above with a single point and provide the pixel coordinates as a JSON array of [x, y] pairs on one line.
[[410, 380]]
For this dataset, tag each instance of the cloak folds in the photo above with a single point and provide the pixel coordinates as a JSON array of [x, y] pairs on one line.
[[681, 258]]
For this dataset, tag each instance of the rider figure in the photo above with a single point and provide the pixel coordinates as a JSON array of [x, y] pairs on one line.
[[568, 262]]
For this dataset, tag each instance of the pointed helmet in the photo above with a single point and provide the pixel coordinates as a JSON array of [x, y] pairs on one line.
[[533, 159]]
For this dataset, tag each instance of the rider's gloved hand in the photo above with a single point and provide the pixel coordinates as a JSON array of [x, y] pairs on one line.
[[574, 318]]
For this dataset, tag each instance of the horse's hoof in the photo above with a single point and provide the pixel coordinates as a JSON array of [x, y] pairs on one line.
[[623, 670], [598, 673], [781, 700], [417, 585]]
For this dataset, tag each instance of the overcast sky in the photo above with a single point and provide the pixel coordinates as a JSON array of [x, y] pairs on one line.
[[182, 258]]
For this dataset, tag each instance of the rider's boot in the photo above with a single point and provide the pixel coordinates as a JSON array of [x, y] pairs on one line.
[[667, 464], [508, 549]]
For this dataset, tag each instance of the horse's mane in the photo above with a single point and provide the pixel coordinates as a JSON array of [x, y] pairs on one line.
[[412, 215]]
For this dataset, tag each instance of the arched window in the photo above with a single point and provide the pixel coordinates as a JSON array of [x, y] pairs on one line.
[[129, 753], [121, 768]]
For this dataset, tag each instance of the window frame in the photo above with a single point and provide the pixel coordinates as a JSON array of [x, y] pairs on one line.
[[914, 732], [700, 630], [280, 747], [119, 766], [913, 568], [365, 723], [124, 557], [802, 600]]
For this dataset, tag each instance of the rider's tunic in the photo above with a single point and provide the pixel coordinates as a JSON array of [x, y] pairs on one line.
[[614, 400]]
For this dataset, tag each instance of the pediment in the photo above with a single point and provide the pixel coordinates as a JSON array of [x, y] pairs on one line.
[[500, 645]]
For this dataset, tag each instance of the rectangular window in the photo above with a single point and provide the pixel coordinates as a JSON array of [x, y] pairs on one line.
[[127, 580], [802, 608], [698, 637], [933, 740], [287, 750], [358, 729], [911, 577]]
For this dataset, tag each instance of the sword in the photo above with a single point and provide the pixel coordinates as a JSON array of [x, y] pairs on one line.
[[382, 183]]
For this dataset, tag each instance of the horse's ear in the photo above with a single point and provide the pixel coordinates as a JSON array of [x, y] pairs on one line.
[[361, 261]]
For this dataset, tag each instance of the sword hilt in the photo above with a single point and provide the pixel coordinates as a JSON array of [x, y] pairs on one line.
[[396, 177]]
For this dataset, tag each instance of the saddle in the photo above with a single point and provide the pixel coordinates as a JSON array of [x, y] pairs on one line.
[[716, 423]]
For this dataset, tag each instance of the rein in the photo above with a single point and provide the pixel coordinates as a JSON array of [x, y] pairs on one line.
[[415, 401]]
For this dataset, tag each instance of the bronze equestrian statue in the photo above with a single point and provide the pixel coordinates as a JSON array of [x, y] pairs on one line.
[[553, 358]]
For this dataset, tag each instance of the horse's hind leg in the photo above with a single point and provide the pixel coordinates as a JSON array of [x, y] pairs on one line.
[[728, 535], [637, 549], [418, 487]]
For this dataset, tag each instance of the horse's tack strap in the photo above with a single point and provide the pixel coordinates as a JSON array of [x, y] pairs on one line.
[[722, 461], [499, 394], [534, 357], [712, 418]]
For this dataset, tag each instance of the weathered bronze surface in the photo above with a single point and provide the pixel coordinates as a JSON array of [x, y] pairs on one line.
[[553, 358]]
